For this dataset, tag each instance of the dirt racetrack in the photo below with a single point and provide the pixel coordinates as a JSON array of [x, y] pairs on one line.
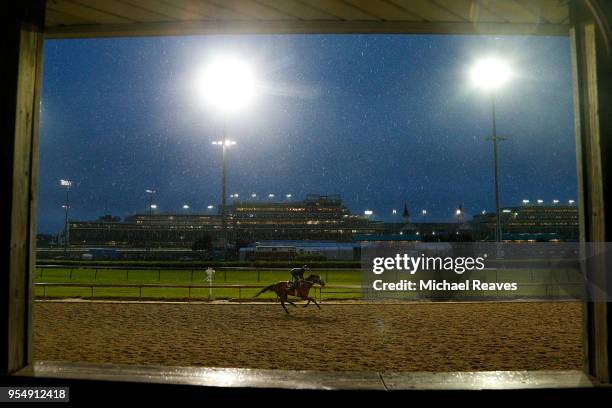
[[404, 337]]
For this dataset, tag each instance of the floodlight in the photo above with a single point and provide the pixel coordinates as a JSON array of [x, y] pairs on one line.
[[490, 73], [228, 84]]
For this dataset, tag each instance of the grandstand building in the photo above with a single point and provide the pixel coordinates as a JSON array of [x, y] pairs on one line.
[[315, 218], [319, 218], [534, 222], [144, 230]]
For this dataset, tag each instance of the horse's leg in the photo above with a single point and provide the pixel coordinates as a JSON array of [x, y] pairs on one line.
[[315, 302], [283, 305], [304, 296], [288, 301]]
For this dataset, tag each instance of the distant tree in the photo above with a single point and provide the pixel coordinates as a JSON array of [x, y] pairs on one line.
[[204, 243]]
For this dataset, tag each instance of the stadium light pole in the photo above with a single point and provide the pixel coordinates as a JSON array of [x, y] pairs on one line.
[[186, 209], [459, 214], [228, 85], [150, 192], [490, 74], [224, 143], [66, 184]]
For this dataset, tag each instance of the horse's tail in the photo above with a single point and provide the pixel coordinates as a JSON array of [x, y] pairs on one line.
[[267, 288]]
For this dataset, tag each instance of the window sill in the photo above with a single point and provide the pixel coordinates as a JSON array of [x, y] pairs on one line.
[[311, 380]]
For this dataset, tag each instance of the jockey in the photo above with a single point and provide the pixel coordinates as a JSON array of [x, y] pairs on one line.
[[297, 275]]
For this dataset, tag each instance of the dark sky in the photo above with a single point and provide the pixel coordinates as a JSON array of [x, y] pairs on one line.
[[379, 120]]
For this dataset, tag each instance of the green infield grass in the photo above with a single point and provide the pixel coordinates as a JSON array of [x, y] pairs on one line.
[[161, 277], [341, 283]]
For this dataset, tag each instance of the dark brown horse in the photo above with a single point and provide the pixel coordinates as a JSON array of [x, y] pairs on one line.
[[283, 290]]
